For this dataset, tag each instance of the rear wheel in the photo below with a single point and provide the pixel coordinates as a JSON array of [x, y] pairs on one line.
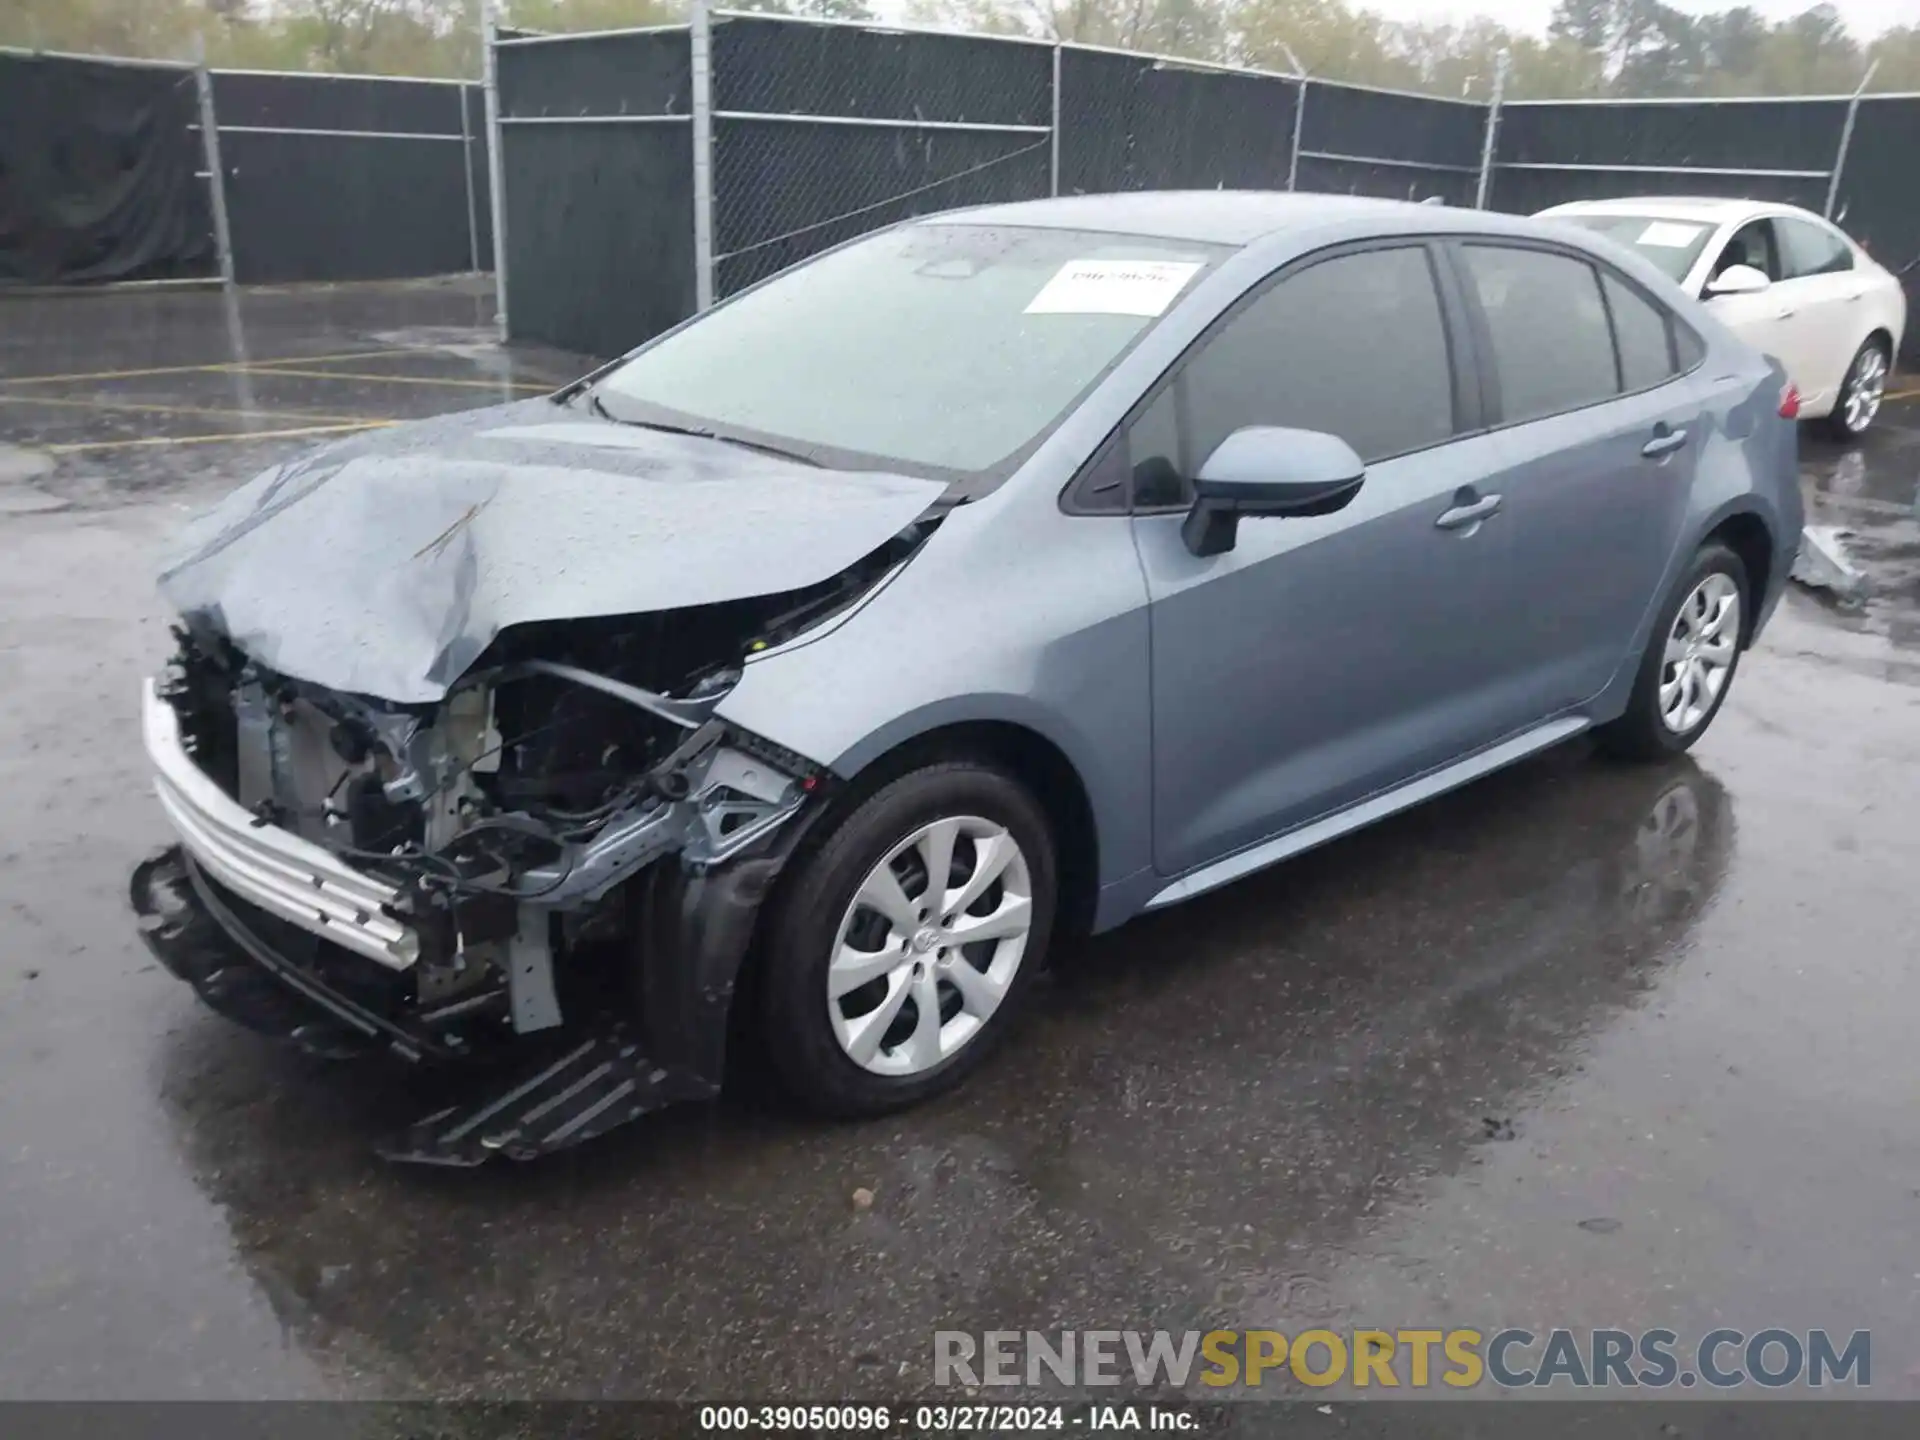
[[1690, 659], [1861, 392], [902, 944]]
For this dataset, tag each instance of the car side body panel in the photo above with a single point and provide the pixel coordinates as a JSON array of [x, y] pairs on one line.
[[1595, 524], [1055, 632], [893, 670], [1324, 659], [1747, 442], [1052, 638]]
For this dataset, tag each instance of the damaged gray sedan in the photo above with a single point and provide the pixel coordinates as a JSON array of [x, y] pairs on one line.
[[793, 681]]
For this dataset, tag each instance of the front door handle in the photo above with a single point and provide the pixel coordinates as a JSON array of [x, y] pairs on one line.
[[1665, 444], [1471, 513]]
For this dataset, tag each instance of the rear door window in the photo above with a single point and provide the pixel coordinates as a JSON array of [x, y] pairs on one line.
[[1809, 249], [1552, 346]]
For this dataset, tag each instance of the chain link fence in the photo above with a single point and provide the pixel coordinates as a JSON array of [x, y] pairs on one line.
[[150, 170], [649, 173], [1140, 122], [1551, 152], [822, 132]]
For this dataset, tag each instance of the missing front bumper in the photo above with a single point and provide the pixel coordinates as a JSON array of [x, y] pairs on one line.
[[548, 1092], [557, 1093], [291, 878], [230, 958]]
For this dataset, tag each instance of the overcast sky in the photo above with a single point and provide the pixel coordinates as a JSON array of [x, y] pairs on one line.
[[1863, 17]]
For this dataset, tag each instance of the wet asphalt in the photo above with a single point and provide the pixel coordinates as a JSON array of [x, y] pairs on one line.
[[1581, 1045]]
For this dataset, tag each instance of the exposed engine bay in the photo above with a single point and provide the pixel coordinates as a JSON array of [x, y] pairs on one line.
[[513, 820], [443, 749]]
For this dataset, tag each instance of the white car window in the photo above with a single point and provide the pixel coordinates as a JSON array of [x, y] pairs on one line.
[[1810, 249], [1752, 244], [1670, 245]]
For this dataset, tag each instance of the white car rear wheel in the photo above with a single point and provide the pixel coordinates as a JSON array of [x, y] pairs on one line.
[[1861, 392]]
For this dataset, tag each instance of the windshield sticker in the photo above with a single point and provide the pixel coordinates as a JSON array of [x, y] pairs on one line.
[[1669, 235], [1113, 287]]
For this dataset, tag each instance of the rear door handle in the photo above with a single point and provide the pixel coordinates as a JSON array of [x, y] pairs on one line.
[[1472, 513], [1664, 444]]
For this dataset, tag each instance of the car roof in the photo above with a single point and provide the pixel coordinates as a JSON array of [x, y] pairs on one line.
[[1707, 209], [1220, 217]]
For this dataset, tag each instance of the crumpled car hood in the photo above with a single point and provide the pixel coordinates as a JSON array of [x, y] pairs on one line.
[[385, 565]]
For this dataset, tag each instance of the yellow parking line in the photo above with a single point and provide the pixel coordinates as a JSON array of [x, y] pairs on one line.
[[1901, 395], [217, 439], [197, 369], [411, 379], [52, 400]]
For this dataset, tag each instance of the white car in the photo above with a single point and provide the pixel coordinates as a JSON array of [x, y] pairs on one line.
[[1784, 280]]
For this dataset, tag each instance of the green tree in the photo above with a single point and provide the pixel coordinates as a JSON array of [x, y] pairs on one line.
[[1811, 54], [160, 30], [1593, 47], [1898, 56], [1731, 45], [1331, 39], [553, 16]]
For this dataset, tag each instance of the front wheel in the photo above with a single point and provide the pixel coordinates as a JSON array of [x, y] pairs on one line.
[[1688, 666], [1860, 393], [901, 945]]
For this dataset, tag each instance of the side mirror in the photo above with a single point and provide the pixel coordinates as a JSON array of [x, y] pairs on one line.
[[1738, 280], [1268, 470]]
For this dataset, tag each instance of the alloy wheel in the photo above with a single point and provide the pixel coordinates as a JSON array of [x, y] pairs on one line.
[[1701, 648], [929, 945], [1869, 387]]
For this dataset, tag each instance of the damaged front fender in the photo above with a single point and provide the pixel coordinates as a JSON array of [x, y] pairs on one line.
[[694, 928]]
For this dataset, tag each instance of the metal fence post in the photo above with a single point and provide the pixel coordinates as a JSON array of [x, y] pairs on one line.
[[466, 178], [700, 41], [1053, 159], [1484, 191], [1299, 114], [496, 167], [1846, 139], [210, 149], [1299, 125]]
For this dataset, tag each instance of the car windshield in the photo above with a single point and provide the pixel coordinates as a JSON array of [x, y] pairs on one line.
[[1672, 245], [945, 350]]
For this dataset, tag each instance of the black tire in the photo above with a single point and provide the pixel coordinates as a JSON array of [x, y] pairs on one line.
[[1835, 424], [802, 926], [1640, 733]]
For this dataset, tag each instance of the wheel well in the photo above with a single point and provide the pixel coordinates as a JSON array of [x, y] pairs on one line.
[[1028, 757], [1885, 337], [1043, 768], [1747, 536]]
